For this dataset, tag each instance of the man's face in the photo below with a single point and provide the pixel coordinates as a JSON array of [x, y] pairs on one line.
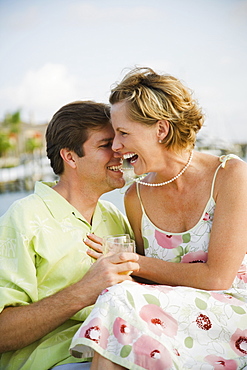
[[98, 168]]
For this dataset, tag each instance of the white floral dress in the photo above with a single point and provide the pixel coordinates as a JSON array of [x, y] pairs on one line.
[[161, 327]]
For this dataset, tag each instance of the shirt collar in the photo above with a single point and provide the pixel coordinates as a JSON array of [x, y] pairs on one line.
[[60, 208]]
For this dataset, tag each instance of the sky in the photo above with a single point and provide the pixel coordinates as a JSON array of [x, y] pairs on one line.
[[53, 52]]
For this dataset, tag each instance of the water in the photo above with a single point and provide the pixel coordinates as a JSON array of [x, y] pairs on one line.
[[6, 199]]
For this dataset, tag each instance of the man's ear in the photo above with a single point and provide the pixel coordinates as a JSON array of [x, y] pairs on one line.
[[68, 156], [163, 128]]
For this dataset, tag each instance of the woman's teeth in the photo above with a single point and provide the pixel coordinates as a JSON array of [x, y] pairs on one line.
[[128, 155], [131, 157]]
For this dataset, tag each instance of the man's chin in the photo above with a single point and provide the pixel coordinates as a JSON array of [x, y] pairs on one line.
[[117, 184], [120, 185]]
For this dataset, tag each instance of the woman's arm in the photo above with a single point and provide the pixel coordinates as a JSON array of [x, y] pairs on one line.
[[134, 214], [228, 240]]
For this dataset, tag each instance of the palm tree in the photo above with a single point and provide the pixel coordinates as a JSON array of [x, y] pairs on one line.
[[12, 123], [5, 143]]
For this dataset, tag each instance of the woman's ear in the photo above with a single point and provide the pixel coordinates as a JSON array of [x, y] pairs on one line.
[[163, 127], [68, 157]]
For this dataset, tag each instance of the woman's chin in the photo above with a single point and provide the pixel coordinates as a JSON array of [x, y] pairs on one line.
[[138, 172]]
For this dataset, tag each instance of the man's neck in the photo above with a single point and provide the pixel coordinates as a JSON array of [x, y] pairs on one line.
[[80, 198]]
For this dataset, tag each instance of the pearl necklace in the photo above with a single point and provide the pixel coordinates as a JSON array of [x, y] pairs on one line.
[[169, 181]]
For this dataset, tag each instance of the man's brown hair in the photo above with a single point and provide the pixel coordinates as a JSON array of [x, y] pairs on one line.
[[69, 128]]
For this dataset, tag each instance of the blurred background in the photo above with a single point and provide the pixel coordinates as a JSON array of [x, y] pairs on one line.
[[53, 52]]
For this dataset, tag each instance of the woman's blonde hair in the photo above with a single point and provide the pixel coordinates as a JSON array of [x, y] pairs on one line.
[[152, 97]]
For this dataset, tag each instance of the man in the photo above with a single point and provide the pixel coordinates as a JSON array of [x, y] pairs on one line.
[[47, 279]]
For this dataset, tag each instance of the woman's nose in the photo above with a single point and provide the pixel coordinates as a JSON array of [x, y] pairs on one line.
[[116, 145]]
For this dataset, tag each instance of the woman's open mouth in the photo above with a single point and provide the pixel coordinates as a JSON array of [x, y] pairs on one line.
[[130, 157]]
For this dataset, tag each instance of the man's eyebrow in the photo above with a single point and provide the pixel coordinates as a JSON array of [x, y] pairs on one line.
[[105, 140]]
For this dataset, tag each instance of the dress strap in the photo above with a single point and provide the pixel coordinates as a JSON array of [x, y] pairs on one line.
[[223, 159], [139, 196]]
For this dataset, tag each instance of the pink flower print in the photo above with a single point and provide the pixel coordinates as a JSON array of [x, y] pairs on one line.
[[158, 320], [95, 332], [227, 298], [219, 363], [206, 217], [195, 257], [168, 241], [242, 273], [124, 332], [239, 342], [161, 288], [151, 354]]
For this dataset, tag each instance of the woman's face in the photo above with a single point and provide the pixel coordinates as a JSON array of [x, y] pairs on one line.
[[134, 140]]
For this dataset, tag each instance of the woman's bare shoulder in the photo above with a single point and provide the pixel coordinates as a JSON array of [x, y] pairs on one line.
[[131, 200], [234, 168], [131, 191]]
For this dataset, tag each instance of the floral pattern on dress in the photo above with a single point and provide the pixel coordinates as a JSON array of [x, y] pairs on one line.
[[180, 247], [162, 327], [153, 330]]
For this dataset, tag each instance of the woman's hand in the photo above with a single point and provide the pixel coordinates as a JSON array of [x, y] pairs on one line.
[[96, 251], [94, 242]]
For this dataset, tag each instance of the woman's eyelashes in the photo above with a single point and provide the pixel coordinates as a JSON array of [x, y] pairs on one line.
[[123, 133]]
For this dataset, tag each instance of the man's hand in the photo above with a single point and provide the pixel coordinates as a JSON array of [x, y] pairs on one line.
[[20, 326], [108, 270]]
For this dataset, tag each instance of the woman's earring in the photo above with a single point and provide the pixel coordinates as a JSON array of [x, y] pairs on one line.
[[160, 141]]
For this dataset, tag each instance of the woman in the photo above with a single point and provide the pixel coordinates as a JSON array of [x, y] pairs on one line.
[[189, 216]]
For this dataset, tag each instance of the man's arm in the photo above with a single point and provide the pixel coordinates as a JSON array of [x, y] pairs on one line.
[[23, 325]]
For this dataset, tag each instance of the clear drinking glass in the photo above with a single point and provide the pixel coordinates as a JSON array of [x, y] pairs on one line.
[[119, 238], [118, 243]]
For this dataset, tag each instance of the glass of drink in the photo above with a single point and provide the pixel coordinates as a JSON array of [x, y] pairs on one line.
[[119, 238], [118, 243]]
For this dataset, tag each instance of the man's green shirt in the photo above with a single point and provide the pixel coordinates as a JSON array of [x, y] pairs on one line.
[[42, 252]]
